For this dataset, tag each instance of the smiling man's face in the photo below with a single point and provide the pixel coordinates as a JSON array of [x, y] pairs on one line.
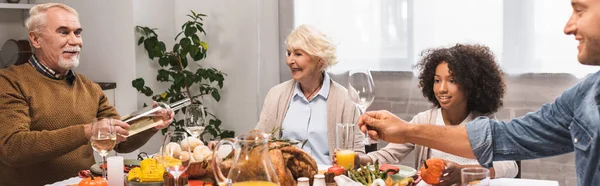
[[59, 43]]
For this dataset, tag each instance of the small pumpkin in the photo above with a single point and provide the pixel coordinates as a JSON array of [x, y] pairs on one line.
[[432, 170], [93, 181]]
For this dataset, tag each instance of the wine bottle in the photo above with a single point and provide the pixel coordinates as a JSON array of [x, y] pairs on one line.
[[141, 120]]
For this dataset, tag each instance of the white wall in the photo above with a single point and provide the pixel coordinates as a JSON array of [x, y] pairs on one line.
[[12, 25], [235, 46], [154, 14]]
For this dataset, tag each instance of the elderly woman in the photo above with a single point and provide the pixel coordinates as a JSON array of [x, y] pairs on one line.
[[310, 104], [462, 82]]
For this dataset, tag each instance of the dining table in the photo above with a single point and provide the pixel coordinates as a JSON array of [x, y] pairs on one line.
[[493, 182]]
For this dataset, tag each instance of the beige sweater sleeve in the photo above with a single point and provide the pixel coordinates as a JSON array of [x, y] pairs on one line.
[[267, 120]]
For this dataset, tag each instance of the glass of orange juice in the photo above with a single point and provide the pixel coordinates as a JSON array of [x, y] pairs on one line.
[[344, 142]]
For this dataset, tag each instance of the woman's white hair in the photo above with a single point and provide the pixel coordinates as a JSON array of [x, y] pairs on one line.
[[313, 42], [37, 15]]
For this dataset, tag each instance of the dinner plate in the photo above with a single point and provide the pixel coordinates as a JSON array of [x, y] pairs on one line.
[[404, 171], [127, 162]]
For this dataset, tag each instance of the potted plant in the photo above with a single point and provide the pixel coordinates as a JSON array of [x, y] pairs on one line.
[[184, 79]]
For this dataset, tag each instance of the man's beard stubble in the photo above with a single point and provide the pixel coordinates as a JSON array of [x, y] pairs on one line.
[[68, 64]]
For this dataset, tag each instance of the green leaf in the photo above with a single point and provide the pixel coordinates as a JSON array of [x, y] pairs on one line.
[[176, 47], [184, 61], [184, 42], [163, 75], [198, 56], [195, 39], [162, 46], [227, 134], [141, 40], [190, 31], [147, 91], [138, 83], [178, 35], [215, 94], [163, 61]]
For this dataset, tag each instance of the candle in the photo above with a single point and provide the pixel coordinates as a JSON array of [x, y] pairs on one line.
[[115, 171]]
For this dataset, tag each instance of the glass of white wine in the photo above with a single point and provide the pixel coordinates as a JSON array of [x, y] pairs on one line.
[[103, 138], [195, 119], [361, 90], [176, 157]]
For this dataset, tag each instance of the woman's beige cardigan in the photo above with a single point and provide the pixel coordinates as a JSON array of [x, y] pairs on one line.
[[340, 109]]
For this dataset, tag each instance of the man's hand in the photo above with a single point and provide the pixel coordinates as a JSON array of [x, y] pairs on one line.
[[383, 125], [121, 129], [450, 175], [166, 115]]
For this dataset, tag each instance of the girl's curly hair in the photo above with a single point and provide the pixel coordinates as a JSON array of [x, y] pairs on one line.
[[475, 70]]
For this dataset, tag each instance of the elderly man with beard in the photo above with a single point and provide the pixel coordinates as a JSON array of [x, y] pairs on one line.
[[570, 123], [46, 109]]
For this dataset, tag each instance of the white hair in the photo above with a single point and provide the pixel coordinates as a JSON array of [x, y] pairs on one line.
[[37, 15], [313, 42]]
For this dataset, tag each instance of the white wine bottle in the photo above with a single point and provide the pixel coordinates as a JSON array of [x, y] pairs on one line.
[[141, 120]]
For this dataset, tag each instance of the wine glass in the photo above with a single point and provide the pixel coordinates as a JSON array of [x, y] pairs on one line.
[[103, 138], [361, 90], [195, 119], [174, 156], [475, 176]]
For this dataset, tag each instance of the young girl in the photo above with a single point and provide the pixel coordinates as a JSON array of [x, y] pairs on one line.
[[462, 82]]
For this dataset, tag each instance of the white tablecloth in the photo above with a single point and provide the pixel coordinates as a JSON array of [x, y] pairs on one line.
[[516, 182], [513, 182]]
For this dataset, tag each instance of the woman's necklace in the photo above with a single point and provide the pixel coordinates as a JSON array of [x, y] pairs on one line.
[[311, 94], [315, 90]]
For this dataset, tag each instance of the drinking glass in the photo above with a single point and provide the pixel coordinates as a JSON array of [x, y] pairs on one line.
[[174, 156], [344, 144], [361, 90], [103, 138], [195, 119], [475, 176]]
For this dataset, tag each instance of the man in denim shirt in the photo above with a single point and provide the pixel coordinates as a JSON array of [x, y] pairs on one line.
[[571, 123]]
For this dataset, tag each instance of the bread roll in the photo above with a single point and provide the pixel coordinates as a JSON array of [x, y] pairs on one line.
[[201, 153], [173, 149], [191, 142]]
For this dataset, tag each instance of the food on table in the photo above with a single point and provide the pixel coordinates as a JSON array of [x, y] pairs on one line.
[[289, 161], [336, 170], [376, 175], [174, 149], [432, 170], [150, 170], [201, 153], [191, 142], [389, 169], [365, 175], [185, 156], [96, 181]]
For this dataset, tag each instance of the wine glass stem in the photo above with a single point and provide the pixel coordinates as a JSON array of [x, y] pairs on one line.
[[366, 140], [176, 180], [105, 167]]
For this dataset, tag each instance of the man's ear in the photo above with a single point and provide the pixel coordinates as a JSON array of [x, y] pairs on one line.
[[34, 40]]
